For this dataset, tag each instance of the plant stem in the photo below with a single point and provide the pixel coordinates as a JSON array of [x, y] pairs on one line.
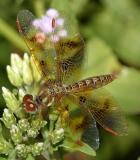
[[39, 7], [11, 35], [51, 126]]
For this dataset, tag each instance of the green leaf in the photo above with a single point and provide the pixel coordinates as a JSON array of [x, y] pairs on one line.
[[12, 155], [30, 157], [1, 158], [78, 8], [127, 50], [126, 90], [10, 34], [71, 146], [61, 5], [122, 19], [100, 58]]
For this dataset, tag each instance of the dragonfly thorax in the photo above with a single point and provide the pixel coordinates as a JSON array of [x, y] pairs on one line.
[[55, 90]]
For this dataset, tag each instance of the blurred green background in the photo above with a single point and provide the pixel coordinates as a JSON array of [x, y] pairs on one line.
[[111, 30]]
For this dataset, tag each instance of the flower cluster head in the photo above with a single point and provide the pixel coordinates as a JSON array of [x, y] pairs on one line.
[[52, 25], [30, 134]]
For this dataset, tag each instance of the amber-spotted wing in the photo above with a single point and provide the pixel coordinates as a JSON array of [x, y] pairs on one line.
[[86, 125], [70, 53], [39, 45], [102, 107], [97, 105], [58, 51]]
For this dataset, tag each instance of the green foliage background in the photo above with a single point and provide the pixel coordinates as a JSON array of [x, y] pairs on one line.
[[111, 30]]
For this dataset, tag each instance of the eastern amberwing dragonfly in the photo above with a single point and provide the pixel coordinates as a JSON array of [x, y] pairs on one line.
[[59, 54]]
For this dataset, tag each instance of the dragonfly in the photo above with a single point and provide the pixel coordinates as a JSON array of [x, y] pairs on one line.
[[59, 53]]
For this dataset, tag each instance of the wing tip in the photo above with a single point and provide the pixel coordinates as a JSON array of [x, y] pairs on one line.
[[111, 131], [117, 133]]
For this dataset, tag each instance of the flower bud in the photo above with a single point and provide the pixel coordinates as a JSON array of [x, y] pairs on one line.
[[21, 94], [5, 147], [32, 132], [16, 62], [24, 125], [23, 150], [27, 72], [38, 123], [14, 76], [37, 148], [11, 101], [57, 135], [8, 118], [16, 134]]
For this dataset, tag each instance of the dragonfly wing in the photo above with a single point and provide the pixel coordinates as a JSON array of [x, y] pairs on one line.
[[82, 122], [69, 49], [41, 48], [58, 53], [104, 109], [91, 134], [70, 53]]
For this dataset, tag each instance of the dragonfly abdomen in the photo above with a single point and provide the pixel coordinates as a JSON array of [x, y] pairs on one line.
[[91, 83], [102, 80]]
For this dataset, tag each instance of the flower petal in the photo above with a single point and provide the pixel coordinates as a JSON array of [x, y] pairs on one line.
[[53, 13], [60, 21], [62, 33]]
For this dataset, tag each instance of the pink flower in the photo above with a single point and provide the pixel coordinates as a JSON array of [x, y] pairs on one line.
[[51, 24]]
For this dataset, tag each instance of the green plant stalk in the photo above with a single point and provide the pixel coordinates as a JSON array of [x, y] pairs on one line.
[[11, 35], [51, 126], [39, 7]]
